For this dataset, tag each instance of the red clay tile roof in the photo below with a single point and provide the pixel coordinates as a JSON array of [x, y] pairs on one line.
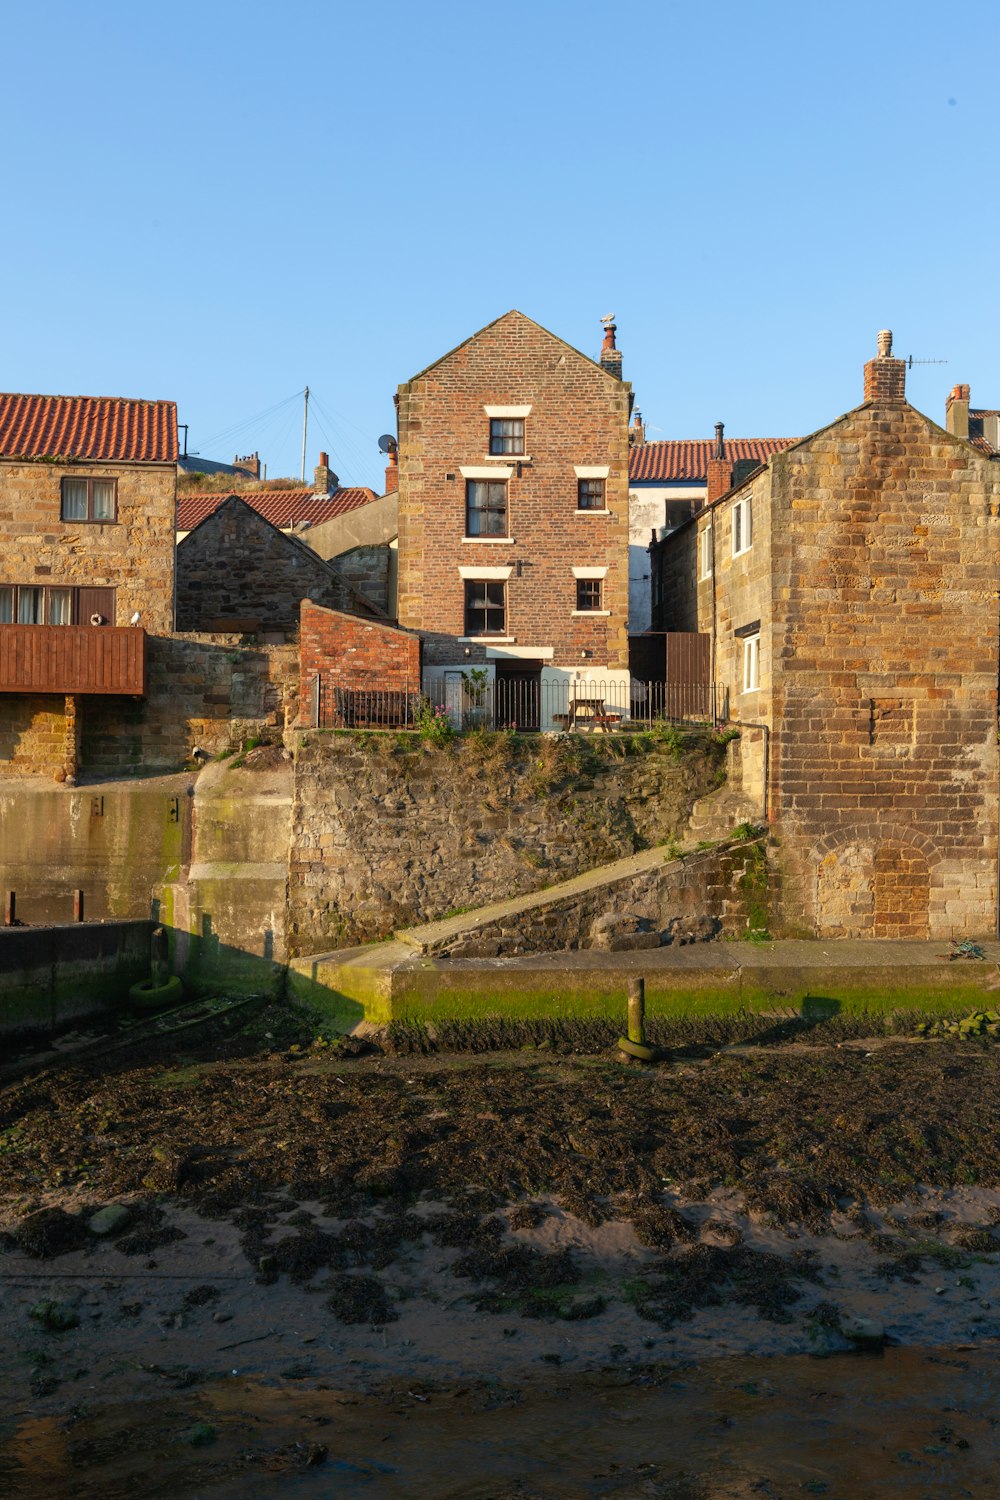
[[102, 428], [283, 508], [977, 437], [688, 459]]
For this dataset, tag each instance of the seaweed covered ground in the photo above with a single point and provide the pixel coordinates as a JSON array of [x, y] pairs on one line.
[[250, 1197]]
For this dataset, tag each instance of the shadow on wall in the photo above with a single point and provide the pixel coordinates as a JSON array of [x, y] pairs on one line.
[[207, 965]]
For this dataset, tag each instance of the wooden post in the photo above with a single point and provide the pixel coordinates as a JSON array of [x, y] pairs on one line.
[[10, 909], [637, 1010], [77, 906]]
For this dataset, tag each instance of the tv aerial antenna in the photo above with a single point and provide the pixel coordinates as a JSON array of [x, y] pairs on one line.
[[910, 362]]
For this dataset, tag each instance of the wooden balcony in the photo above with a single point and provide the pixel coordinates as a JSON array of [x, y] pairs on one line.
[[72, 659]]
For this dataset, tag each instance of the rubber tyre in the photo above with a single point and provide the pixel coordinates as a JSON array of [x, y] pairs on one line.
[[147, 996], [638, 1049]]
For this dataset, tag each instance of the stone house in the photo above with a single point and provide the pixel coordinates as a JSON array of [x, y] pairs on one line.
[[87, 489], [849, 592], [668, 483], [238, 572], [513, 521]]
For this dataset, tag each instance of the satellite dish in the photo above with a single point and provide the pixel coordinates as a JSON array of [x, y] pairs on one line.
[[387, 443]]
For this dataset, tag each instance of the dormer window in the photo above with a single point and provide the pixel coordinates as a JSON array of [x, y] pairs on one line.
[[506, 435]]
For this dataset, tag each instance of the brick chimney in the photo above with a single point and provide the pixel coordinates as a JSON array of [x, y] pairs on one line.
[[250, 465], [637, 433], [719, 479], [885, 377], [325, 480], [392, 473], [956, 411], [611, 355]]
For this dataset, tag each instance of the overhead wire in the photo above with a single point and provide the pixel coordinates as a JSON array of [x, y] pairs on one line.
[[260, 417]]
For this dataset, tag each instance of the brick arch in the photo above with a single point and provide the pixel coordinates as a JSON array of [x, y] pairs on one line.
[[874, 880]]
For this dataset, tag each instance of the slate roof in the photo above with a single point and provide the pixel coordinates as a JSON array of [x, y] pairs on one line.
[[102, 428], [687, 459], [283, 508]]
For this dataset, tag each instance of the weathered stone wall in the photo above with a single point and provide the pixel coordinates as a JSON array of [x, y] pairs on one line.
[[579, 416], [207, 692], [371, 572], [236, 566], [885, 762], [133, 554], [685, 900], [385, 834]]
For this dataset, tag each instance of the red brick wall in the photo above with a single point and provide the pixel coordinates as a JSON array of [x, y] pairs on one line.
[[353, 653], [579, 416]]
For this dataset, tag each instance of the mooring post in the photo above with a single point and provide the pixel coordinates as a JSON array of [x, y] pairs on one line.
[[158, 957], [637, 1010], [10, 909], [77, 906]]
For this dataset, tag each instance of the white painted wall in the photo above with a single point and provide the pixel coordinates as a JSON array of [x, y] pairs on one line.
[[647, 511]]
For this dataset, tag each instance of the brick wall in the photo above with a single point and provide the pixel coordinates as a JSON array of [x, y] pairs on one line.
[[237, 566], [579, 416], [134, 555], [352, 653]]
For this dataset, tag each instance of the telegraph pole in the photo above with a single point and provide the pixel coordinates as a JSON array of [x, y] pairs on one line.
[[305, 425]]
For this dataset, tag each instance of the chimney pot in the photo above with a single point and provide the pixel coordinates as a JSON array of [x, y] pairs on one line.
[[720, 445], [885, 377], [956, 411], [324, 460], [611, 358]]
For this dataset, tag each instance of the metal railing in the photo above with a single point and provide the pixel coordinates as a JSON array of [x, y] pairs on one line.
[[521, 702]]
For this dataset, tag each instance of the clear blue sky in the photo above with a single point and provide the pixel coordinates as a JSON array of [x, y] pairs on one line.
[[220, 202]]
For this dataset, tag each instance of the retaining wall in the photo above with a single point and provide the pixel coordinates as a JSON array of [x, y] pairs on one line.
[[51, 976]]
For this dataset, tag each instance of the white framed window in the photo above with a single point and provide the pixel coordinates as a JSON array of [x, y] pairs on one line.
[[751, 663], [705, 553], [742, 526]]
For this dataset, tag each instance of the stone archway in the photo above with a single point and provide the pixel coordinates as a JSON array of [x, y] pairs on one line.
[[874, 882]]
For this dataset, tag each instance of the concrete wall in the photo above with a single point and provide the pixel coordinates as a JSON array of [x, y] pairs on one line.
[[52, 976]]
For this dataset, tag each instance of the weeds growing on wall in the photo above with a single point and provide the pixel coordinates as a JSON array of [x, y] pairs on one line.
[[753, 885]]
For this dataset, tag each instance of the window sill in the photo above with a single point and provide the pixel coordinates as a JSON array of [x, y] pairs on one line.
[[507, 458], [593, 512], [491, 541], [590, 614], [486, 640], [743, 551]]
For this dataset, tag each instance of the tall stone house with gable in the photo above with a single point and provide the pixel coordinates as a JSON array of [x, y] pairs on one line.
[[513, 521], [849, 589], [87, 490]]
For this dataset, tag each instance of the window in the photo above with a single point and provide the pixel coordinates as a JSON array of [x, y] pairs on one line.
[[588, 593], [590, 494], [485, 507], [506, 434], [705, 553], [742, 527], [38, 604], [485, 607], [89, 500], [751, 663]]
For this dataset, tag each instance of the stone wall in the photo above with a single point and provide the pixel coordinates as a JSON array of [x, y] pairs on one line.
[[236, 566], [208, 692], [686, 900], [578, 416], [133, 554], [387, 833], [885, 766]]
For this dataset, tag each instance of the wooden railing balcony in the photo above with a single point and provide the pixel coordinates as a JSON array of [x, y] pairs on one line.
[[73, 659]]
